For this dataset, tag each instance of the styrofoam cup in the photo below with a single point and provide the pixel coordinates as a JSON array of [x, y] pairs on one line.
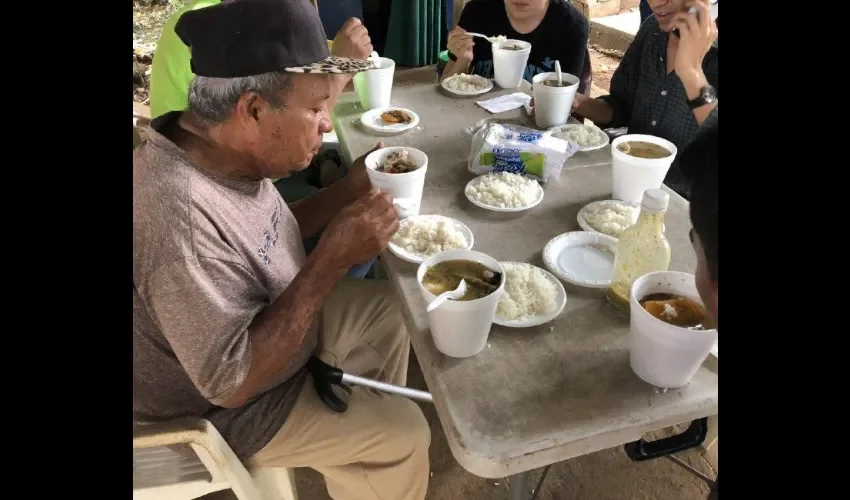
[[509, 65], [632, 175], [461, 328], [374, 87], [406, 189], [552, 104], [662, 354]]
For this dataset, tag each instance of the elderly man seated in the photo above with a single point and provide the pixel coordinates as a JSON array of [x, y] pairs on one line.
[[171, 74], [227, 309]]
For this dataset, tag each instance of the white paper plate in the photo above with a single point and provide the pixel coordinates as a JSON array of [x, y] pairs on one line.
[[587, 227], [500, 209], [582, 222], [560, 302], [563, 128], [372, 120], [582, 258], [418, 259], [484, 90]]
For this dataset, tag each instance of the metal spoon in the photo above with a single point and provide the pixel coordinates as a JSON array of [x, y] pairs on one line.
[[454, 295]]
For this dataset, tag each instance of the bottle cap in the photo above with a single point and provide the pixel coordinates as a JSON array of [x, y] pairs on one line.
[[655, 200]]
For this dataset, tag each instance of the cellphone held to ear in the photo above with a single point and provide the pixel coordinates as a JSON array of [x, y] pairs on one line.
[[693, 11]]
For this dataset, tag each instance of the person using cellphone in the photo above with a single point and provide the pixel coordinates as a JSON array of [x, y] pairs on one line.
[[666, 85]]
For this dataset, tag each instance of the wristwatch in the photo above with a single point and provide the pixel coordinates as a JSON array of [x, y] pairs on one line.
[[707, 95], [452, 56]]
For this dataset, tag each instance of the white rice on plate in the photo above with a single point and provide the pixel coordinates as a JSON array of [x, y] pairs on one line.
[[466, 83], [426, 237], [528, 293], [504, 190], [610, 218], [585, 136]]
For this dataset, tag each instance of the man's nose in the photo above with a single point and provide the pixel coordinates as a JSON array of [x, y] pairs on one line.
[[325, 123]]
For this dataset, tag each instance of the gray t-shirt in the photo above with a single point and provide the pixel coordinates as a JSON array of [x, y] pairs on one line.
[[208, 255]]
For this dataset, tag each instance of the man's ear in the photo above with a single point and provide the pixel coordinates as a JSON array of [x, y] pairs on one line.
[[249, 106]]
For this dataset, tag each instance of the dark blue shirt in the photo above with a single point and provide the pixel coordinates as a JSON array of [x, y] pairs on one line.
[[648, 100], [561, 36]]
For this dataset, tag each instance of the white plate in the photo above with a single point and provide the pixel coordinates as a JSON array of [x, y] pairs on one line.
[[560, 302], [418, 259], [562, 128], [582, 222], [586, 225], [582, 258], [372, 120], [500, 209], [484, 90]]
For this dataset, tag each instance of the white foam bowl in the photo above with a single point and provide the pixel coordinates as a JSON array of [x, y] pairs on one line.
[[460, 329], [662, 354]]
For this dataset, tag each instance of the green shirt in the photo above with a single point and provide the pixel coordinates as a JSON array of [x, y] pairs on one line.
[[171, 73]]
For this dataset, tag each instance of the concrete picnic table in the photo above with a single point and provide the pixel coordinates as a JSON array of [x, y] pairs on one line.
[[534, 396]]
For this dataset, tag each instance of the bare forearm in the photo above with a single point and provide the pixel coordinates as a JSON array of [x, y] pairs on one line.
[[279, 330], [597, 110], [315, 212], [454, 68], [338, 84]]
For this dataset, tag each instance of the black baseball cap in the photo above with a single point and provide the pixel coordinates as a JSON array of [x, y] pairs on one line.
[[251, 37]]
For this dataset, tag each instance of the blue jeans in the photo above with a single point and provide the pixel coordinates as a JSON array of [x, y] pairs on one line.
[[299, 186], [358, 272]]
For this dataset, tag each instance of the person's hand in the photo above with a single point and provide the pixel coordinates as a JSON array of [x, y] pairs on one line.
[[352, 40], [460, 44], [357, 180], [361, 230], [578, 100], [697, 34]]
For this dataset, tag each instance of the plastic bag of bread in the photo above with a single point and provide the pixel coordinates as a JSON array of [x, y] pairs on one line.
[[506, 147]]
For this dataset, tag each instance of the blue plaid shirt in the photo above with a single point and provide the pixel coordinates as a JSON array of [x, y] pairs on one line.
[[648, 100]]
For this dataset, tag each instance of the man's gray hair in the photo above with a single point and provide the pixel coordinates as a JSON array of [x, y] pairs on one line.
[[213, 99]]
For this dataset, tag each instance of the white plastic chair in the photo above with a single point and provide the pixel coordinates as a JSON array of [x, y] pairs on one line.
[[162, 472]]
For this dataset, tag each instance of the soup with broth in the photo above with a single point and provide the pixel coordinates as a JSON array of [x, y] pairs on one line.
[[481, 281], [678, 311], [643, 149]]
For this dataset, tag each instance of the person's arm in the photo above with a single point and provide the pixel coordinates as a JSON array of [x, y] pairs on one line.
[[697, 35], [211, 312], [315, 212], [456, 67], [214, 310], [707, 113], [338, 83], [614, 109], [279, 330], [352, 40], [460, 45]]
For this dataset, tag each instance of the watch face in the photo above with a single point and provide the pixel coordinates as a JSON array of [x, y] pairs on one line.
[[708, 94]]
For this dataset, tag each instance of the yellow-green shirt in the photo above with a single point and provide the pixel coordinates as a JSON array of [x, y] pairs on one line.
[[171, 72]]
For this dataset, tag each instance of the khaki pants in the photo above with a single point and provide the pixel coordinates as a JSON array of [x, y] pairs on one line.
[[378, 448]]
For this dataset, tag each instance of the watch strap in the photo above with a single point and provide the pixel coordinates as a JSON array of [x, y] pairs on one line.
[[706, 95]]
